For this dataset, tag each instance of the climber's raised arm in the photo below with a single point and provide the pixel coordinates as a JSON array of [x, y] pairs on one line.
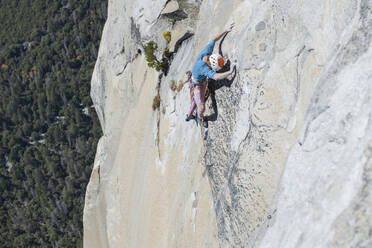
[[222, 75], [219, 36]]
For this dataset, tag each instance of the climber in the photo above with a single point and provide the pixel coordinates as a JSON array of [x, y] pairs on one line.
[[205, 67]]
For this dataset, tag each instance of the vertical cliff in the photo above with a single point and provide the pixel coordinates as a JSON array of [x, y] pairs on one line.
[[288, 158]]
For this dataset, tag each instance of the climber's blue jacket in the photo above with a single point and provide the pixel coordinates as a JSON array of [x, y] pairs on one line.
[[201, 70]]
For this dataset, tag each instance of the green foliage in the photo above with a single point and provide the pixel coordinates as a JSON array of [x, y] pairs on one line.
[[166, 53], [150, 56], [48, 127], [153, 62], [156, 102], [167, 35]]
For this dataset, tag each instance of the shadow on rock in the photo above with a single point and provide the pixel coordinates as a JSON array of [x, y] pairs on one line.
[[214, 85]]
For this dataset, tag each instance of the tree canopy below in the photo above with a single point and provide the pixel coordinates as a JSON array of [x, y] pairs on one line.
[[48, 125]]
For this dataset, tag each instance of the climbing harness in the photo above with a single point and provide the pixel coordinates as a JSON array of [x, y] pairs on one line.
[[194, 84]]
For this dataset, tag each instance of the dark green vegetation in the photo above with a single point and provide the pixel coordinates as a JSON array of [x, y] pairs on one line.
[[48, 127], [156, 102], [153, 62]]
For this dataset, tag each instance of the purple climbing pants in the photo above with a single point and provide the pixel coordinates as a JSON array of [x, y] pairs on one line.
[[197, 100]]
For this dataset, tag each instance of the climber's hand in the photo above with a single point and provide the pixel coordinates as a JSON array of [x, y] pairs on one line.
[[231, 26]]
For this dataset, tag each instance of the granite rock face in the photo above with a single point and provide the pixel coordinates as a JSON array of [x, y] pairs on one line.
[[289, 155]]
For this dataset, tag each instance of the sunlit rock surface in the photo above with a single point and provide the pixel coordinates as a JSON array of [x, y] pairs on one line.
[[288, 159]]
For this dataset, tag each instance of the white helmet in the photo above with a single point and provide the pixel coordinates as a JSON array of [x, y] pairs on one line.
[[217, 62]]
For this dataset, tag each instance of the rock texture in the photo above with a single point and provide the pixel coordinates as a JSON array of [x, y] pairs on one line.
[[288, 159], [172, 6]]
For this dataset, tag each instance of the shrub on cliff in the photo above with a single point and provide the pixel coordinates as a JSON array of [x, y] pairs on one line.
[[150, 56], [156, 102], [167, 35], [173, 85], [153, 62]]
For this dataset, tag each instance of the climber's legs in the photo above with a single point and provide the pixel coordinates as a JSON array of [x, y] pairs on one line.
[[199, 100], [192, 107]]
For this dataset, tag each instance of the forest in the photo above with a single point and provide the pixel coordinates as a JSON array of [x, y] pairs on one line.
[[48, 125]]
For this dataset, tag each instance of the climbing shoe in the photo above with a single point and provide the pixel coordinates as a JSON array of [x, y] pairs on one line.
[[205, 123], [191, 117]]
